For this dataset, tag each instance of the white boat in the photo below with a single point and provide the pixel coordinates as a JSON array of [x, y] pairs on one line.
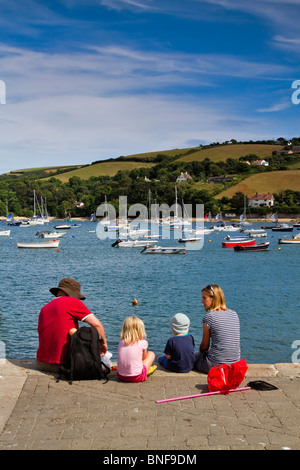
[[62, 227], [35, 220], [150, 237], [39, 245], [44, 211], [135, 233], [27, 223], [243, 217], [133, 243], [177, 222], [111, 228], [167, 250], [236, 239], [50, 234], [290, 241], [258, 235], [252, 231], [4, 233], [203, 231], [189, 240], [115, 228], [226, 228]]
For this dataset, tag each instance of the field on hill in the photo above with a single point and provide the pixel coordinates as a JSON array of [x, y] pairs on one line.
[[47, 169], [220, 153], [170, 153], [268, 182], [102, 169], [215, 154]]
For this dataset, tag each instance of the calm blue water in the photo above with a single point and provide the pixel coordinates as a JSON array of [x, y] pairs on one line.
[[262, 287]]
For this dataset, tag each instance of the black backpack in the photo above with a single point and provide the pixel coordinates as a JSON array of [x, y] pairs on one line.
[[83, 360]]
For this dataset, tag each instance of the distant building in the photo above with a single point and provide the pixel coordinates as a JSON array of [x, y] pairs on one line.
[[284, 152], [260, 163], [183, 177], [261, 200], [219, 179], [295, 149]]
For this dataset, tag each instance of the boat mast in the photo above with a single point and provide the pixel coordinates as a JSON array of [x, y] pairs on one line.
[[245, 209], [34, 214]]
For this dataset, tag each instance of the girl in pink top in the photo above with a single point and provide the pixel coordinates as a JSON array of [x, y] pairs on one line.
[[134, 361]]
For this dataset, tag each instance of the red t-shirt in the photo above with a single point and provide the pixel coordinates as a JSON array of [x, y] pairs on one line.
[[55, 321]]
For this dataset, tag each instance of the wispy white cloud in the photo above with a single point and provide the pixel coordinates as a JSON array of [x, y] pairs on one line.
[[80, 100], [289, 44], [108, 101], [72, 127], [145, 5], [275, 108], [276, 14], [111, 70]]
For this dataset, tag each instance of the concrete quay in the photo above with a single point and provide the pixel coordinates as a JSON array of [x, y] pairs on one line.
[[37, 413]]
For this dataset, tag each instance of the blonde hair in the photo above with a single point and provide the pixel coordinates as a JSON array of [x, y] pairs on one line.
[[214, 291], [133, 330]]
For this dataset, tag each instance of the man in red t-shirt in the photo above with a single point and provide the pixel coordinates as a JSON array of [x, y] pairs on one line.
[[57, 318]]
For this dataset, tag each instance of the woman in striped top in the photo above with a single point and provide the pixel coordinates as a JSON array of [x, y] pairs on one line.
[[221, 331]]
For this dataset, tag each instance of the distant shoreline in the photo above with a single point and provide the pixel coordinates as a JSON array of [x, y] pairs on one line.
[[213, 221]]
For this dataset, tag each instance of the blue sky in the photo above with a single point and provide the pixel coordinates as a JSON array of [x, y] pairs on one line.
[[87, 80]]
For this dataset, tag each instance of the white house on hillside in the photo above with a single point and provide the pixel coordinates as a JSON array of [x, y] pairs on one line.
[[183, 177], [260, 163], [261, 200]]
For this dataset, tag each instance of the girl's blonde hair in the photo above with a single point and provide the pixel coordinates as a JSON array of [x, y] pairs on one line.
[[133, 330], [214, 291]]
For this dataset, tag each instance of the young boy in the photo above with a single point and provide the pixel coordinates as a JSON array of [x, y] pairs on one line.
[[179, 351]]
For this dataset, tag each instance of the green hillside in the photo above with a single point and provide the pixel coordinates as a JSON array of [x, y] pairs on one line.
[[130, 162], [274, 181], [170, 153], [110, 168], [268, 182], [214, 153], [222, 152]]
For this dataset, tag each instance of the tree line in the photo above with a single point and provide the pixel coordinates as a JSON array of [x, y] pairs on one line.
[[16, 192]]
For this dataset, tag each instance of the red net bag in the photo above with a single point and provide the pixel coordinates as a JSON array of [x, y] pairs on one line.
[[225, 377]]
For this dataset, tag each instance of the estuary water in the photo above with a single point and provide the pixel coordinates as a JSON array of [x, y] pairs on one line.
[[262, 287]]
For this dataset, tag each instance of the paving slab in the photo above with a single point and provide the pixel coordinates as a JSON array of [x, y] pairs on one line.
[[37, 413]]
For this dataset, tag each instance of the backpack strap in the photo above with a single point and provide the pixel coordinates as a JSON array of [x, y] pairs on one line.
[[105, 371], [66, 369], [73, 341], [96, 341]]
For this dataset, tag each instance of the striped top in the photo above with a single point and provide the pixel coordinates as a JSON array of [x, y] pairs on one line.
[[224, 326]]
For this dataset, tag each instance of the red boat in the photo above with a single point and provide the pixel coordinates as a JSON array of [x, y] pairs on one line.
[[231, 243]]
